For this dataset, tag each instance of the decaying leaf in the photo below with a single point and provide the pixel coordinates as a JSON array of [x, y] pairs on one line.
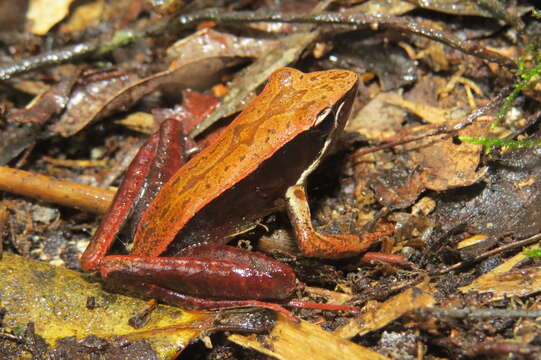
[[48, 103], [383, 314], [446, 165], [44, 14], [90, 100], [190, 69], [62, 303], [289, 340], [25, 125], [504, 281], [435, 162], [209, 42]]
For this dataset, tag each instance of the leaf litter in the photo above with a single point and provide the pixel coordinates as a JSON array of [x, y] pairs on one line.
[[460, 216]]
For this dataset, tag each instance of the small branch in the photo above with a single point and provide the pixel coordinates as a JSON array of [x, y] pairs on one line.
[[356, 20], [512, 246], [476, 313], [63, 192], [54, 57], [439, 129]]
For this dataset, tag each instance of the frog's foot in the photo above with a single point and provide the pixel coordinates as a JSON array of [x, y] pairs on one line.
[[316, 244], [187, 302]]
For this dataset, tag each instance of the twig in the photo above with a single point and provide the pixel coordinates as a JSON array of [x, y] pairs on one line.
[[357, 20], [63, 192], [476, 313], [506, 247], [439, 129], [497, 348], [54, 57]]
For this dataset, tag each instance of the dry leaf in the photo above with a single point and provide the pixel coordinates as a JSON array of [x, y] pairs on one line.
[[447, 165], [289, 340], [199, 58], [387, 312], [89, 101], [42, 15], [208, 41], [503, 281], [85, 14], [55, 300]]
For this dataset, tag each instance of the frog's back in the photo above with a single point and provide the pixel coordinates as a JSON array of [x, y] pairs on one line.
[[287, 106]]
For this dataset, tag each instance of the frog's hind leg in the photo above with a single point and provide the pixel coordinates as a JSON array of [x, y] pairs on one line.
[[187, 302], [157, 159], [208, 276]]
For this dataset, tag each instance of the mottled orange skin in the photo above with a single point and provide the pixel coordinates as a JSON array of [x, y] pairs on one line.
[[289, 105]]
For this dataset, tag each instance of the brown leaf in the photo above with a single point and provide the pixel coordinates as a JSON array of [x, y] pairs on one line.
[[50, 102], [91, 100], [446, 165], [199, 58], [209, 42]]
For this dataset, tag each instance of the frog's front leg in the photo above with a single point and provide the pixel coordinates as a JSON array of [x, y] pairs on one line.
[[313, 243], [197, 277]]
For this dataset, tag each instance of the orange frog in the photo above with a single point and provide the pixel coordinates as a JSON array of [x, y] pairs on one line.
[[185, 214]]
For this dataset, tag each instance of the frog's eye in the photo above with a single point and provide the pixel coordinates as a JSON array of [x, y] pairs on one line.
[[322, 116]]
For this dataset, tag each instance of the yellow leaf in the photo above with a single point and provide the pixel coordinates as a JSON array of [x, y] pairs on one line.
[[55, 300], [42, 15]]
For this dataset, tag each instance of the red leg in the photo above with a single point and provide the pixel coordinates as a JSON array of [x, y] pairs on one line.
[[155, 162], [372, 257], [193, 303], [237, 275], [168, 158], [121, 207], [331, 307]]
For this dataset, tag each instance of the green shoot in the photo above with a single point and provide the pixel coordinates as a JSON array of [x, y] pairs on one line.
[[488, 143], [529, 76], [533, 253]]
